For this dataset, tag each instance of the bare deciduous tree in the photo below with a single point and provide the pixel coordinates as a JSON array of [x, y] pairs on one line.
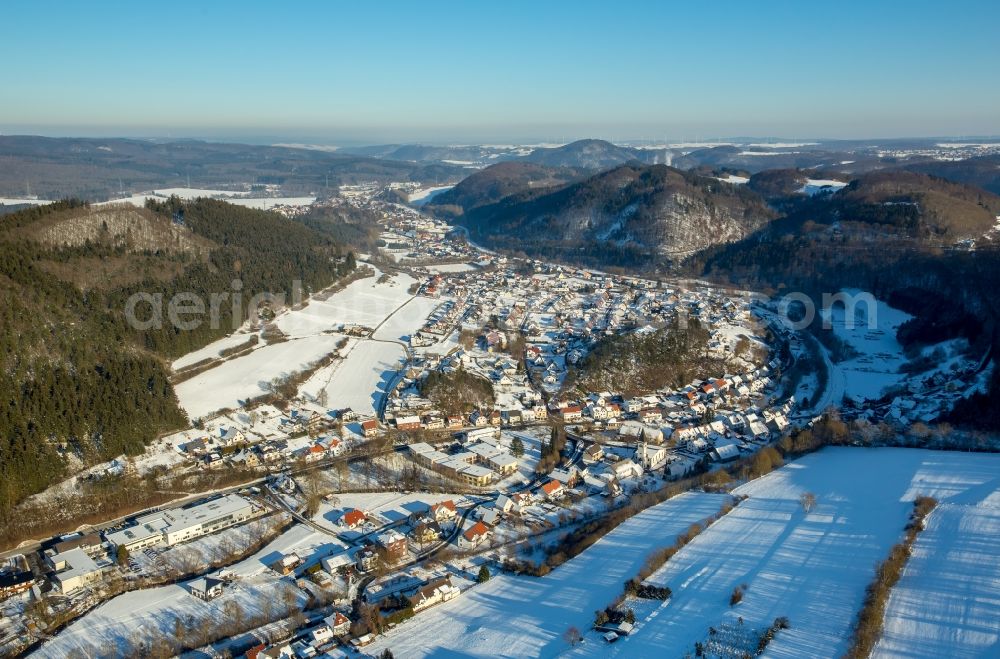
[[572, 636]]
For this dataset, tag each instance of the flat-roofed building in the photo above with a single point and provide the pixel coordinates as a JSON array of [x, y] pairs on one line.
[[170, 527], [74, 569]]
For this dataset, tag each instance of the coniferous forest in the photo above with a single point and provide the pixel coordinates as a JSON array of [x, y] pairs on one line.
[[79, 384]]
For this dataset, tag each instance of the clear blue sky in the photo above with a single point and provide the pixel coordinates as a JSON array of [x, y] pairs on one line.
[[465, 71]]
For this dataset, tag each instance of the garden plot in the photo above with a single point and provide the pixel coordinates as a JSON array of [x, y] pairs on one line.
[[811, 567], [232, 382], [526, 616]]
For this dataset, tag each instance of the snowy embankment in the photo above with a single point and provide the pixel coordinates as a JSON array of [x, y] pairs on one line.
[[212, 351], [811, 567], [526, 616]]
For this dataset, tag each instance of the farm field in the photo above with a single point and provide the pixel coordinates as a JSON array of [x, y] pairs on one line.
[[811, 567], [946, 604], [231, 382], [482, 621], [361, 379]]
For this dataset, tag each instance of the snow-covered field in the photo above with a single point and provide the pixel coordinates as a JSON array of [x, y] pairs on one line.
[[880, 355], [816, 185], [265, 203], [14, 201], [450, 267], [363, 302], [233, 197], [354, 383], [526, 616], [212, 350], [947, 604], [812, 568], [421, 197], [249, 376], [407, 319], [361, 379]]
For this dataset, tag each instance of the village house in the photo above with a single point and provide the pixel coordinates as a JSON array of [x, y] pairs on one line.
[[626, 469], [473, 536], [16, 577], [426, 532], [553, 490], [367, 558], [407, 422], [725, 453], [206, 588], [354, 518], [571, 413], [435, 592], [443, 512], [593, 453], [231, 436], [433, 422], [393, 544], [339, 624], [650, 415], [369, 428]]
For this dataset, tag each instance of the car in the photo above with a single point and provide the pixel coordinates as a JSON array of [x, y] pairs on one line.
[[611, 637]]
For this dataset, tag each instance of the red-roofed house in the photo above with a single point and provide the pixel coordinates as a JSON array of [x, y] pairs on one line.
[[444, 511], [369, 427], [474, 535], [552, 490], [339, 623], [353, 518]]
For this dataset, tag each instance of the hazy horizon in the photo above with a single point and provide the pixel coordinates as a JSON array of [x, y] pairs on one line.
[[264, 138]]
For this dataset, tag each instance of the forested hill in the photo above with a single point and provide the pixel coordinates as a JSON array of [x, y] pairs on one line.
[[900, 236], [98, 168], [632, 215], [496, 182], [79, 384]]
